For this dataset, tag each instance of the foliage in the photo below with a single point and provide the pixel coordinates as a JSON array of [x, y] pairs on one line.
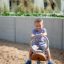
[[27, 8], [32, 14]]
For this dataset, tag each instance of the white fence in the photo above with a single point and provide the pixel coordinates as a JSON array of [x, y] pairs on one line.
[[18, 29]]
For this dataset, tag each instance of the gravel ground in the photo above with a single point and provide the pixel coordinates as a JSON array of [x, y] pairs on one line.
[[13, 53]]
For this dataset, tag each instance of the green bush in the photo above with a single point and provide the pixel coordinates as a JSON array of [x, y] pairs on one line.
[[5, 13]]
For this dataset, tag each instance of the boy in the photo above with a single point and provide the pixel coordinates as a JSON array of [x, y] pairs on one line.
[[38, 34]]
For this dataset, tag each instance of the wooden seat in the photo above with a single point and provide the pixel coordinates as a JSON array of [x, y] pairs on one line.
[[37, 56]]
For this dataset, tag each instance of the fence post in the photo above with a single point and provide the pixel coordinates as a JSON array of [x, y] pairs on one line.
[[62, 36], [15, 29]]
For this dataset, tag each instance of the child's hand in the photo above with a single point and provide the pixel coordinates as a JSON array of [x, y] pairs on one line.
[[32, 35], [43, 34]]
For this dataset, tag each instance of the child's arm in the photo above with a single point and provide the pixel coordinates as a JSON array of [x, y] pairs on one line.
[[44, 33], [33, 33], [32, 36]]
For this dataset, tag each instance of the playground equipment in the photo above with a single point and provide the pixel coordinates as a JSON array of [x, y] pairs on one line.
[[39, 55]]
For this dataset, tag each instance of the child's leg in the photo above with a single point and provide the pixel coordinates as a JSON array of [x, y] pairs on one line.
[[48, 54], [42, 46], [29, 60], [35, 47], [49, 57]]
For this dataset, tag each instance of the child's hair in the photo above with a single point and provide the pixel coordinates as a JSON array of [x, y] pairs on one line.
[[38, 20]]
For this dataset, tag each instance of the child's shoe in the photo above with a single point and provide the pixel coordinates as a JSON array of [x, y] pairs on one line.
[[28, 62], [50, 62]]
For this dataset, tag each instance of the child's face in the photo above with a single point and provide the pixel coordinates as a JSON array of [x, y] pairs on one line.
[[38, 25]]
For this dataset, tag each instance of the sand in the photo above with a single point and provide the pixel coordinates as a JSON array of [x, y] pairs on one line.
[[13, 53]]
